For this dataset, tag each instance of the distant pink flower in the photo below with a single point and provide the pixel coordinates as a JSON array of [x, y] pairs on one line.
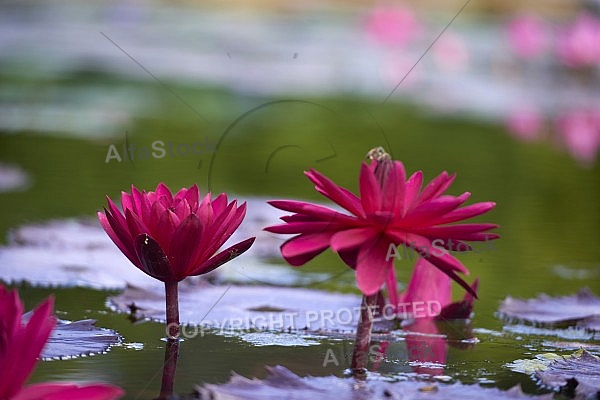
[[524, 123], [528, 36], [389, 213], [579, 44], [20, 347], [580, 132], [451, 53], [393, 26], [172, 237]]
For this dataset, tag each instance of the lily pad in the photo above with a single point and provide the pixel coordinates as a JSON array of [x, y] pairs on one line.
[[281, 383], [247, 308], [578, 374], [79, 338], [581, 310]]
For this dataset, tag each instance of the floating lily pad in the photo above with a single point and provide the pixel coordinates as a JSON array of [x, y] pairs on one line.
[[244, 308], [581, 310], [281, 383], [578, 374], [79, 338]]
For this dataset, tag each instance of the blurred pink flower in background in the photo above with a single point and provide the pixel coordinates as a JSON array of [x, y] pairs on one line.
[[528, 36], [451, 53], [580, 132], [394, 26], [579, 44], [20, 346], [524, 123]]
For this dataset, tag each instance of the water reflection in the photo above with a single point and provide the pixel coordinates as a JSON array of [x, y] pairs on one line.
[[169, 369]]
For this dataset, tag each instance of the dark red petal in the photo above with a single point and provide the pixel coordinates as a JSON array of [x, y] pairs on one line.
[[224, 256], [154, 260]]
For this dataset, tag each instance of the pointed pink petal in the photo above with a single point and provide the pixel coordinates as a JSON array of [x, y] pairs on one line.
[[126, 248], [372, 268], [163, 191], [370, 191], [335, 193], [413, 187], [312, 210], [303, 248], [395, 189], [463, 213], [454, 231], [185, 246], [351, 238], [303, 227], [224, 256], [424, 213], [436, 187], [219, 204]]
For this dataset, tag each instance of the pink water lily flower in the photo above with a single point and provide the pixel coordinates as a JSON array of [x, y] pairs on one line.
[[20, 346], [390, 213], [171, 237]]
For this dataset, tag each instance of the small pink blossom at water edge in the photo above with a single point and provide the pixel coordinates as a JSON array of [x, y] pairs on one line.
[[528, 36], [171, 237], [579, 44], [393, 26], [524, 123], [580, 133], [20, 346], [395, 212]]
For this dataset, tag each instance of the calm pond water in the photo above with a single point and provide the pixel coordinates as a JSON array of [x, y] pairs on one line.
[[547, 208], [59, 126]]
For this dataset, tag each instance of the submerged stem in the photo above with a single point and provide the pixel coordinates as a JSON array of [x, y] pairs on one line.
[[172, 310]]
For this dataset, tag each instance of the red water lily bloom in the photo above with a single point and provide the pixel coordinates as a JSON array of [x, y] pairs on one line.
[[391, 211], [20, 347], [171, 237]]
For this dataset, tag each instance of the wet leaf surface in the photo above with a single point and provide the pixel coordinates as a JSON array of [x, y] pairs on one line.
[[238, 308], [581, 310], [282, 383], [79, 338], [578, 375]]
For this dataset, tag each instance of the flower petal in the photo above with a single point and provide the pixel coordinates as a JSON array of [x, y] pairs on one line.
[[351, 238], [153, 259], [224, 256], [370, 191], [335, 193], [372, 268], [303, 248], [185, 246]]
